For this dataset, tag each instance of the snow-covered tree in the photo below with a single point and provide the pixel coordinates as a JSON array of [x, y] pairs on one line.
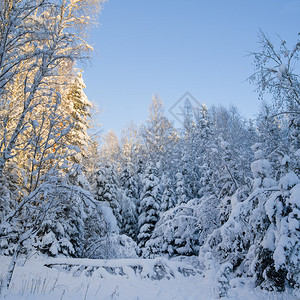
[[176, 233], [239, 238], [196, 141], [277, 256], [129, 190], [78, 107], [129, 183], [131, 144], [106, 189], [276, 73], [148, 206], [110, 149], [223, 279], [273, 134], [168, 198], [62, 229], [90, 160], [181, 187], [34, 49], [158, 133]]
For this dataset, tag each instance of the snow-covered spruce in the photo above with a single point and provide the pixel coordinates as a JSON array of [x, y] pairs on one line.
[[148, 207]]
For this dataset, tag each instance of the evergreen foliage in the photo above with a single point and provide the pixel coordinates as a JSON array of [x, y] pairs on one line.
[[148, 206]]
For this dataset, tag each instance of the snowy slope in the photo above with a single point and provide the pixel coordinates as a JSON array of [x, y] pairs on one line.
[[42, 278]]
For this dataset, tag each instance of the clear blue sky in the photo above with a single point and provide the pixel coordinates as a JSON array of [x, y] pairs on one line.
[[169, 47]]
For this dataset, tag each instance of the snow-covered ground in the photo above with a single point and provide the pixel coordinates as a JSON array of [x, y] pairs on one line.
[[41, 278]]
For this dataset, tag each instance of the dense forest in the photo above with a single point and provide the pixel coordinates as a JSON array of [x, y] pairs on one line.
[[221, 191]]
